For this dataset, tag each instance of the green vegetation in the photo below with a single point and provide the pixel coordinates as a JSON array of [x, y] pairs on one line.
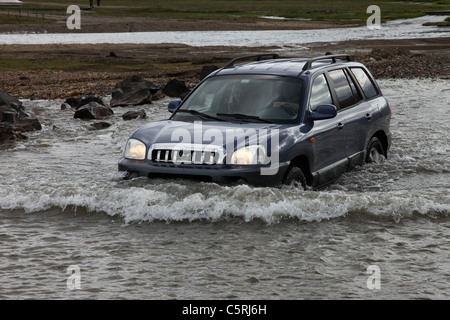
[[19, 64], [23, 19], [338, 11], [63, 63], [445, 23]]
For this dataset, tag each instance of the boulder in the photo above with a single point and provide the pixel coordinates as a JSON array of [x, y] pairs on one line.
[[8, 114], [10, 101], [14, 121], [93, 110], [77, 103], [130, 115], [7, 136], [206, 70], [132, 92], [10, 108], [176, 88], [100, 125], [26, 123]]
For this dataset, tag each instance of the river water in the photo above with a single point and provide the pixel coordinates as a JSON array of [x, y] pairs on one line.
[[68, 218], [399, 29]]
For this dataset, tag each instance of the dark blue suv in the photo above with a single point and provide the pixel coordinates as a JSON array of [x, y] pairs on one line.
[[274, 121]]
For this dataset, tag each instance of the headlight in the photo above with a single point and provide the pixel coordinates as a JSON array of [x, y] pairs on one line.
[[249, 155], [135, 149]]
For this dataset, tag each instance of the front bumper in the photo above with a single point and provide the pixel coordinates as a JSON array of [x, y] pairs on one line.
[[216, 173]]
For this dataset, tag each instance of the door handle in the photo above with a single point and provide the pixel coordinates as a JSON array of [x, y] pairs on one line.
[[368, 116], [340, 125]]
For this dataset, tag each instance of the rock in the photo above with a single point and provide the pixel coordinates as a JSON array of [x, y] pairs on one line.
[[77, 103], [64, 106], [14, 121], [13, 102], [206, 70], [93, 110], [7, 136], [132, 92], [10, 108], [7, 114], [100, 125], [26, 123], [176, 88], [130, 115]]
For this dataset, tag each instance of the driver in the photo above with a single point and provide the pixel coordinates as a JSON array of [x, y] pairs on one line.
[[290, 97]]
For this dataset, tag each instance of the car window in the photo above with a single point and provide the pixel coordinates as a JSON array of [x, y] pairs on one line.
[[365, 82], [355, 91], [320, 93], [250, 98], [342, 88]]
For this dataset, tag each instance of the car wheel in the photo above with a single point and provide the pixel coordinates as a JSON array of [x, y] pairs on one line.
[[295, 178], [375, 152]]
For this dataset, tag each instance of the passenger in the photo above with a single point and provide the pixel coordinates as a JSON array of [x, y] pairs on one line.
[[236, 99]]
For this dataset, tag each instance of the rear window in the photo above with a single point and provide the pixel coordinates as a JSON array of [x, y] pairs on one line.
[[365, 82]]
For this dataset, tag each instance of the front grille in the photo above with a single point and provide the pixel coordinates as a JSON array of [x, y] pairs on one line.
[[186, 154]]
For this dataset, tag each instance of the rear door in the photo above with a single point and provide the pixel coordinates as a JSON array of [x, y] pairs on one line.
[[356, 111], [329, 135]]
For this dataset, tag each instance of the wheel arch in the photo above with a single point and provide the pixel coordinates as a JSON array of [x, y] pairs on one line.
[[381, 135], [302, 162]]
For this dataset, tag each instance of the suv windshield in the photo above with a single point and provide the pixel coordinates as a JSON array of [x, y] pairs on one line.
[[247, 98]]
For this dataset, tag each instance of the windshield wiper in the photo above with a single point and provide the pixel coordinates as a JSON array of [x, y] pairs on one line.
[[200, 114], [241, 116]]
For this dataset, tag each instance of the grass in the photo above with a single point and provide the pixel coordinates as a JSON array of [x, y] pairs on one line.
[[445, 23], [338, 11], [20, 64], [92, 64]]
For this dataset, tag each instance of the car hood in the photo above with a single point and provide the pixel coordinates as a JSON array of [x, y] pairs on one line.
[[211, 132]]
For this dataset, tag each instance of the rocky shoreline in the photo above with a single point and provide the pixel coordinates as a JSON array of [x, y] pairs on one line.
[[426, 58]]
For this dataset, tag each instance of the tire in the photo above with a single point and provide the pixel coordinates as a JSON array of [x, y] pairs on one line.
[[375, 152], [295, 178]]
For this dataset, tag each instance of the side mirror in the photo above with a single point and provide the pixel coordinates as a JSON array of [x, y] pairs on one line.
[[324, 111], [173, 105]]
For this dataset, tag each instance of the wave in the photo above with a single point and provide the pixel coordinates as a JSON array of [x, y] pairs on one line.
[[143, 201]]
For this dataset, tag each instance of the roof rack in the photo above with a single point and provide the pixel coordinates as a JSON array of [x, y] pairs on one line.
[[258, 58], [309, 63]]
